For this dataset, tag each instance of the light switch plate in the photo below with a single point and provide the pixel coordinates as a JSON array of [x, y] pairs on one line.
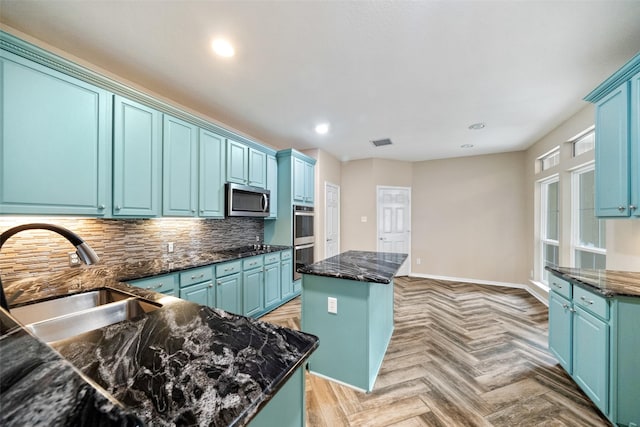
[[332, 305]]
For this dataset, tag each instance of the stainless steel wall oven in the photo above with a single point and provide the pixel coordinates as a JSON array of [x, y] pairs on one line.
[[303, 238]]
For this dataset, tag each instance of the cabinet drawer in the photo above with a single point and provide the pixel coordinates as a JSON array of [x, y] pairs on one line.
[[560, 286], [591, 302], [271, 258], [253, 262], [195, 275], [285, 255], [228, 268], [166, 283]]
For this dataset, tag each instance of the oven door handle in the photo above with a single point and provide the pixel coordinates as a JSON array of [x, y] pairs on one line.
[[307, 246], [303, 213]]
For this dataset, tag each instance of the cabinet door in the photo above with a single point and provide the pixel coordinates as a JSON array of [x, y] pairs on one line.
[[257, 168], [180, 168], [635, 145], [272, 186], [237, 162], [612, 154], [229, 293], [212, 175], [286, 280], [55, 142], [271, 284], [560, 325], [591, 357], [253, 291], [201, 293], [309, 183], [137, 153], [298, 180]]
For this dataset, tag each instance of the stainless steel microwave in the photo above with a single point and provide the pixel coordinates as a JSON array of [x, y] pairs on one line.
[[243, 200]]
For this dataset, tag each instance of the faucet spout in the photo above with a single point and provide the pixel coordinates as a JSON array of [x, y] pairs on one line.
[[84, 251]]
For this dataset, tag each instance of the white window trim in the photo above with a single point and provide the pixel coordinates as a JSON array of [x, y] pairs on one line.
[[575, 219], [543, 223]]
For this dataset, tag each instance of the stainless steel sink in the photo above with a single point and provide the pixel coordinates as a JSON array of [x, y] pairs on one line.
[[65, 317]]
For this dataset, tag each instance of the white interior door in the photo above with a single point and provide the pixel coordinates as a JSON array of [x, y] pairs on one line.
[[394, 223], [332, 222]]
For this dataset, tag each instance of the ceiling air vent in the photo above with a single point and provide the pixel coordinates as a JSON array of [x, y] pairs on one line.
[[381, 142]]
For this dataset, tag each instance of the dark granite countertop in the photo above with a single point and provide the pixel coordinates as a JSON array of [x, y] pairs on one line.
[[376, 267], [605, 282], [183, 364]]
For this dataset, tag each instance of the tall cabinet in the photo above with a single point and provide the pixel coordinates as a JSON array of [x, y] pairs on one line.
[[617, 149]]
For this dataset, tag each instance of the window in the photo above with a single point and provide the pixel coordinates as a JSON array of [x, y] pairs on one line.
[[584, 143], [550, 159], [588, 231], [550, 225]]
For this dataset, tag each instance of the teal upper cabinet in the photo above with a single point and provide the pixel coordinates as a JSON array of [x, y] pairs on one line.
[[617, 154], [137, 156], [257, 168], [272, 185], [246, 165], [180, 168], [612, 153], [237, 162], [55, 142], [211, 183], [303, 181]]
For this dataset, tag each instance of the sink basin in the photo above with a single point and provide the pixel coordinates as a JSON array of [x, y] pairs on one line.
[[66, 317]]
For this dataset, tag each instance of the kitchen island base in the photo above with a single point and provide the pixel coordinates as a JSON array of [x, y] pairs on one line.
[[354, 339]]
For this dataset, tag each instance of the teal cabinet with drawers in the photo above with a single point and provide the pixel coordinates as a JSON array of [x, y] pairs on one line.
[[196, 285], [55, 142], [617, 149], [137, 157], [253, 286], [229, 286], [596, 341]]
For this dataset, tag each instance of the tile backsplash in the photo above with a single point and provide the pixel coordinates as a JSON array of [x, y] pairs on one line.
[[117, 241]]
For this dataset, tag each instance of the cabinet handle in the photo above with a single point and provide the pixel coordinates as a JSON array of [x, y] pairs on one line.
[[583, 299], [211, 285], [226, 269], [621, 208], [158, 286], [101, 207], [118, 207], [632, 207], [218, 282], [253, 263], [556, 285], [565, 306], [197, 277], [193, 211]]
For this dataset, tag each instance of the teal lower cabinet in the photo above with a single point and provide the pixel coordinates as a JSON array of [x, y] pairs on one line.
[[287, 407], [229, 286], [354, 337], [286, 276], [196, 285], [596, 340], [272, 277], [253, 291], [166, 284]]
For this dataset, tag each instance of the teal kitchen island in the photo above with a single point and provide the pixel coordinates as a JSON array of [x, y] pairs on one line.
[[347, 302]]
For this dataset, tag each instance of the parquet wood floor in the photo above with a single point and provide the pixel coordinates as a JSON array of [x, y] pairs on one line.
[[461, 355]]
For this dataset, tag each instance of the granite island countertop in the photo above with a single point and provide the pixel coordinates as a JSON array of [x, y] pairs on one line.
[[607, 283], [182, 364], [376, 267]]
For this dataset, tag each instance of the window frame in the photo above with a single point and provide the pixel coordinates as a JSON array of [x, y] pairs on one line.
[[575, 215], [582, 135], [544, 240]]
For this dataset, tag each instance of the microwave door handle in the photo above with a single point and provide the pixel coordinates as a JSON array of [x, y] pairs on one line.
[[265, 203]]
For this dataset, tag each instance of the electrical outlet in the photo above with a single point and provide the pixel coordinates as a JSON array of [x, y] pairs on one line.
[[418, 261], [170, 247], [257, 238], [74, 260], [332, 305]]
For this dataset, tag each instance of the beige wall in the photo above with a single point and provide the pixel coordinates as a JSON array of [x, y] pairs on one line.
[[622, 235], [328, 169], [469, 218]]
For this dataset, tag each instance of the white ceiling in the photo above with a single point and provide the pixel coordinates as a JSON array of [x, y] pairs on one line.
[[416, 72]]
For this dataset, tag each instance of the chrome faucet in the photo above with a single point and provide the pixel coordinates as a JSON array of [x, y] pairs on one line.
[[84, 251]]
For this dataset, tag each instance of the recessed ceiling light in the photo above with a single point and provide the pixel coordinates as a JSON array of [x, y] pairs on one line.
[[466, 146], [477, 126], [223, 48], [322, 128]]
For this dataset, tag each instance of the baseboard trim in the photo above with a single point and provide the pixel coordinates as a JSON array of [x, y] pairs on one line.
[[536, 289]]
